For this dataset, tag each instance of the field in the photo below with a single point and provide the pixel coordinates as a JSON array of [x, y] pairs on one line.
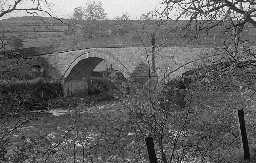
[[67, 35]]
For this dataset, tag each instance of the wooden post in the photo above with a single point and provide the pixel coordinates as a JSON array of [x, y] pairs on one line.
[[244, 134], [74, 154], [151, 150]]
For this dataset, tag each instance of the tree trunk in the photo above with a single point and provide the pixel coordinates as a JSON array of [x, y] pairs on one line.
[[151, 150], [244, 135]]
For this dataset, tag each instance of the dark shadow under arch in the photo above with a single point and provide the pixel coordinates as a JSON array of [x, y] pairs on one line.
[[83, 68], [84, 80]]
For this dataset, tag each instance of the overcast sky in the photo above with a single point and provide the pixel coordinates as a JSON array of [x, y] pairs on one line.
[[114, 8]]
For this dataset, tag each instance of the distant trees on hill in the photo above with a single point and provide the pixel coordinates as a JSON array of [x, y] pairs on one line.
[[86, 17], [123, 17], [92, 11], [9, 6], [147, 16], [78, 13]]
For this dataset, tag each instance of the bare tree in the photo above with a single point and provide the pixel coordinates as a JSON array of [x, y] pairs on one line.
[[78, 13], [95, 11], [243, 11], [87, 17], [31, 7], [232, 16], [92, 11]]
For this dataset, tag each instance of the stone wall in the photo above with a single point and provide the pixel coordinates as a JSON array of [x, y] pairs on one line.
[[75, 87], [75, 67]]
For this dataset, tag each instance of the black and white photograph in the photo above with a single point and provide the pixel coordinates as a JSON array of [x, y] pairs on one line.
[[127, 81]]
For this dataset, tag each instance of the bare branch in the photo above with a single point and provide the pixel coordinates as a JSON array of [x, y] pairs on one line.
[[36, 6], [213, 9]]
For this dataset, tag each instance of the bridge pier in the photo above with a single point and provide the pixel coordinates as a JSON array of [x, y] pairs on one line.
[[75, 87]]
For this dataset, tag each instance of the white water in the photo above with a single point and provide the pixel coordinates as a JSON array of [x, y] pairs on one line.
[[58, 112]]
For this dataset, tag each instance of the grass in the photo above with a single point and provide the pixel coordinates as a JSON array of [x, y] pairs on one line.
[[104, 128], [105, 122]]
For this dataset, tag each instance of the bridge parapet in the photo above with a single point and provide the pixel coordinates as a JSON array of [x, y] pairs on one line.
[[122, 59], [82, 62], [126, 59]]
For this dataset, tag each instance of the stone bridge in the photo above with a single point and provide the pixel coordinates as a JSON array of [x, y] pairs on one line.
[[73, 68]]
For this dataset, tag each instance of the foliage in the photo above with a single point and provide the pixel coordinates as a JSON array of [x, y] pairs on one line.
[[22, 69], [22, 89], [23, 97]]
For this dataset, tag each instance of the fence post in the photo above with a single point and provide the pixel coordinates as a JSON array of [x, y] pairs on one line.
[[151, 150], [244, 134]]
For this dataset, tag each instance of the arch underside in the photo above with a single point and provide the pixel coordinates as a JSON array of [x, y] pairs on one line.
[[83, 69], [84, 64], [74, 68], [81, 73]]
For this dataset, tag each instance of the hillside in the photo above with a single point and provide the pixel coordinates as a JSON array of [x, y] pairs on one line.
[[65, 34]]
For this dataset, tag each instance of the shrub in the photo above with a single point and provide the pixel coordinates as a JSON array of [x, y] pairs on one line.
[[20, 97]]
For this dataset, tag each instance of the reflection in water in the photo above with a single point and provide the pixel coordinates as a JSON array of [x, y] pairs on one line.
[[58, 112]]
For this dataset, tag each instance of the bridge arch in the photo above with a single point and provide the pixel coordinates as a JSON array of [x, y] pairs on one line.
[[77, 76], [86, 61], [65, 65]]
